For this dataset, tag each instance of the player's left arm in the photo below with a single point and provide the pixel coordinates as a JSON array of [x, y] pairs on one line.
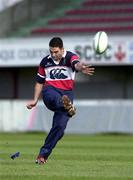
[[84, 68], [80, 66]]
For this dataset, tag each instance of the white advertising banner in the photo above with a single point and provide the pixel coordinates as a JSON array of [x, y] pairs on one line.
[[30, 51], [92, 116]]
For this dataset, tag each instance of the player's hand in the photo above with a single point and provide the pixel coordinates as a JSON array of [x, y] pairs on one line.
[[88, 69], [85, 68], [31, 104]]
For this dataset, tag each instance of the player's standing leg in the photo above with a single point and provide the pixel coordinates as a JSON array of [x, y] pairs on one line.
[[53, 100]]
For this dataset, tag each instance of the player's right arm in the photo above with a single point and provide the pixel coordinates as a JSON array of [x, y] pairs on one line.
[[37, 92], [40, 80]]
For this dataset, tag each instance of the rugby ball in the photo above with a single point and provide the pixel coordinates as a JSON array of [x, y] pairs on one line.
[[100, 42]]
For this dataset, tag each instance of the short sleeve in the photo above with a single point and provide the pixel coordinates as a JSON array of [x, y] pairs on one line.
[[74, 60], [40, 77]]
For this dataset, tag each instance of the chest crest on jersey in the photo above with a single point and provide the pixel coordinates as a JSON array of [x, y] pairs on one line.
[[58, 73]]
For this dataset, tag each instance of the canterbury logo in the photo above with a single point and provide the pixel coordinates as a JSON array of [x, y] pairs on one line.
[[58, 74]]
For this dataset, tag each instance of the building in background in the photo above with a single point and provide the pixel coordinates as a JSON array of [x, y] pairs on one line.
[[7, 3], [72, 19]]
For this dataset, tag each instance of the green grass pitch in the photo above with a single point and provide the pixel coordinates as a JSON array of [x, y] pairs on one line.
[[76, 157]]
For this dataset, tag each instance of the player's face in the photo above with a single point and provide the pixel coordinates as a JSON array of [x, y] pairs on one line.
[[56, 53]]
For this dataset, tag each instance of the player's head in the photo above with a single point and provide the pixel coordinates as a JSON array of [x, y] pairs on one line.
[[56, 48], [56, 42]]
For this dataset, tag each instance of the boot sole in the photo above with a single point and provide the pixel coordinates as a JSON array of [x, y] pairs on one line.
[[68, 106]]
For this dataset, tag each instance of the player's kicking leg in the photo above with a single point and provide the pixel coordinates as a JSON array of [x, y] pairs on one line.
[[68, 106]]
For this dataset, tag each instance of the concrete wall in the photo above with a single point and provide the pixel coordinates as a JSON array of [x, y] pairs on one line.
[[95, 116]]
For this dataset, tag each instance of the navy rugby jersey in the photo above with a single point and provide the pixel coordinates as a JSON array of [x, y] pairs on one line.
[[59, 75]]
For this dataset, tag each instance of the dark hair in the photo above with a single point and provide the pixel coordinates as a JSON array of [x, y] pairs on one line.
[[56, 42]]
